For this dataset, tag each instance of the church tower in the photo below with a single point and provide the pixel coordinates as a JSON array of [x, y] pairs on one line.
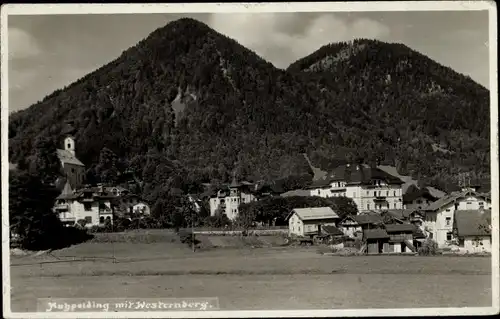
[[69, 144]]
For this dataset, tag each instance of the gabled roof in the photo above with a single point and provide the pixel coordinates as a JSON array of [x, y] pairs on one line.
[[313, 213], [397, 228], [376, 233], [450, 199], [401, 213], [423, 192], [331, 230], [67, 158], [472, 222], [67, 192], [369, 218], [355, 174]]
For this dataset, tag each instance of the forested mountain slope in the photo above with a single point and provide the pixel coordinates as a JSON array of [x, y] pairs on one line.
[[188, 105], [401, 108]]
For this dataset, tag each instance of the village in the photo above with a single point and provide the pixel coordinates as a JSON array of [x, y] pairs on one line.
[[389, 219]]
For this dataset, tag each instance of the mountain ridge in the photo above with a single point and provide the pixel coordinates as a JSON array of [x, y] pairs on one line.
[[190, 105]]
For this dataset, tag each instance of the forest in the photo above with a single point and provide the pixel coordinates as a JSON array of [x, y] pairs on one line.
[[187, 106]]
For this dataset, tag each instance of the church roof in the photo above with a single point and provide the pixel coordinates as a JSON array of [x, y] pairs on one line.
[[67, 158]]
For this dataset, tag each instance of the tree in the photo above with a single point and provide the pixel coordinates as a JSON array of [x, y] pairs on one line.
[[30, 212], [107, 168], [44, 162]]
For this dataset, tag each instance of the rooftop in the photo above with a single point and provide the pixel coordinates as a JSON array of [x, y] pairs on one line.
[[67, 158], [375, 234], [356, 174], [472, 222], [370, 218], [399, 228], [313, 213]]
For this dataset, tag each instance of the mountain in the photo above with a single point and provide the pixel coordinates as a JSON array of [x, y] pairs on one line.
[[188, 105], [400, 108]]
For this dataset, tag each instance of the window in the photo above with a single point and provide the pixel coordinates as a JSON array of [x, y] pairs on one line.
[[353, 194], [87, 206], [481, 204], [448, 210], [88, 219], [368, 206], [69, 145], [72, 170], [101, 220], [318, 191], [448, 221], [394, 193], [449, 236], [431, 235]]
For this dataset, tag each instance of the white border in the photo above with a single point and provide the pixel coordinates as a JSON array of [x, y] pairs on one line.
[[41, 9]]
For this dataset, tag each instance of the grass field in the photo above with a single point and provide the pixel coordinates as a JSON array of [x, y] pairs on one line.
[[250, 279]]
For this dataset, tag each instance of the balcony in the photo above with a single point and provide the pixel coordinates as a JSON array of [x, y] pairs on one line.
[[380, 198], [67, 219], [62, 207]]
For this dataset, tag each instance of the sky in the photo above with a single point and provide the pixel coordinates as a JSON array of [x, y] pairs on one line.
[[48, 52]]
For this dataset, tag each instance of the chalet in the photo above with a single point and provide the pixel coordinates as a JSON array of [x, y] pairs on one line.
[[375, 240], [472, 228], [350, 227], [412, 216], [421, 198], [369, 220], [72, 167], [400, 238], [369, 187], [90, 204], [141, 209], [439, 216], [309, 221]]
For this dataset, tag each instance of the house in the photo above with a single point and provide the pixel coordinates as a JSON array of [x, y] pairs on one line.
[[472, 228], [420, 198], [309, 221], [123, 204], [228, 198], [369, 187], [90, 204], [400, 238], [412, 216], [439, 216], [376, 239], [350, 227], [369, 220], [73, 169]]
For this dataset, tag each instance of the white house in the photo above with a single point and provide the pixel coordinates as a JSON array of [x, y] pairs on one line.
[[308, 221], [228, 199], [370, 188], [439, 216], [350, 227], [473, 230], [90, 204]]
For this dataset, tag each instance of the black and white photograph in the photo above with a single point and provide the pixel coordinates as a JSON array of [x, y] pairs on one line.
[[256, 160]]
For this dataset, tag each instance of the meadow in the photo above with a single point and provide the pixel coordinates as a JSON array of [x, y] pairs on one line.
[[264, 277]]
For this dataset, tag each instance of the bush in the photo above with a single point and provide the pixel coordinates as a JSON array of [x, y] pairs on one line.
[[429, 248]]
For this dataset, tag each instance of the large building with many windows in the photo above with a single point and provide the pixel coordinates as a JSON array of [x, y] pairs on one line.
[[370, 188]]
